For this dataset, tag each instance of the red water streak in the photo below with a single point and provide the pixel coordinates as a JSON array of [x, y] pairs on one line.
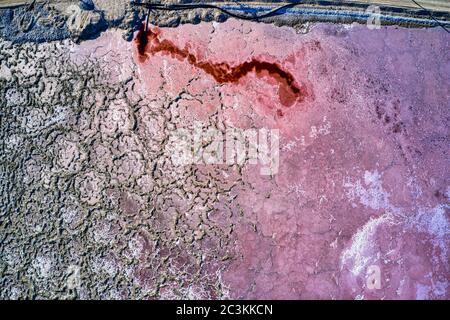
[[148, 43]]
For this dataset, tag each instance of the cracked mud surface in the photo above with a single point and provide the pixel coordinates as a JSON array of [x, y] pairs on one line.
[[93, 205]]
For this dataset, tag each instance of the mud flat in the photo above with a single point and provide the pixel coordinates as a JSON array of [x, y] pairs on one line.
[[94, 205]]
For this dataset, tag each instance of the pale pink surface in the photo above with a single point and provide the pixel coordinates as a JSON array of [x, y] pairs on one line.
[[363, 176]]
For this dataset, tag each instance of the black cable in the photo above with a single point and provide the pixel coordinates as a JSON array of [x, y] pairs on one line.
[[431, 15], [174, 7]]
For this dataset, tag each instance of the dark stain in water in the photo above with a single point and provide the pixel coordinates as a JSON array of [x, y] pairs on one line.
[[148, 43]]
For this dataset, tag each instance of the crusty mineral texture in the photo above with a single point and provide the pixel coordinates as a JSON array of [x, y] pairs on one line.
[[96, 204]]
